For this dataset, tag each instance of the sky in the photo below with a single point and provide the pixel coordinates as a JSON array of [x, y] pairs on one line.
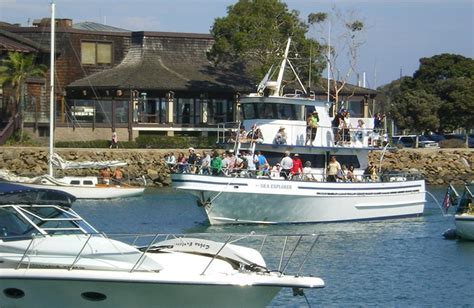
[[398, 32]]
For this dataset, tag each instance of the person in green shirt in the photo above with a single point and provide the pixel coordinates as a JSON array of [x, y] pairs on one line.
[[311, 127], [216, 163]]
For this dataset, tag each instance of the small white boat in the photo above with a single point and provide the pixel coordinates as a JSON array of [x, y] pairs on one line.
[[51, 257], [261, 198]]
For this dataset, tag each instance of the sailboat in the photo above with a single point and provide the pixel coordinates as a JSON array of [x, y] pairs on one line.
[[81, 187]]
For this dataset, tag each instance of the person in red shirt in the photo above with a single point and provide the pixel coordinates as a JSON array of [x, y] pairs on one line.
[[297, 166]]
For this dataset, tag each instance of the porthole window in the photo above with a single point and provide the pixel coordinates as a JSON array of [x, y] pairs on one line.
[[93, 296], [87, 182], [13, 293]]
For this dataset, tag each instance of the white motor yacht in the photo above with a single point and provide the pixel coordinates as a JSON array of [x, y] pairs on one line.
[[51, 257]]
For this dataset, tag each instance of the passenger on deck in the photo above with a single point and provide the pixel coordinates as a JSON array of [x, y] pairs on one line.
[[336, 127], [297, 168], [360, 131], [252, 161], [276, 170], [280, 137], [216, 163], [311, 127], [242, 134], [192, 161], [205, 163], [346, 126], [170, 159], [286, 165], [182, 163], [255, 134], [342, 174], [117, 176], [350, 174], [372, 172], [105, 175], [263, 166], [308, 172], [378, 122], [332, 169]]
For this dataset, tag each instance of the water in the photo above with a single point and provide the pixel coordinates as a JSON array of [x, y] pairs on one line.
[[389, 263]]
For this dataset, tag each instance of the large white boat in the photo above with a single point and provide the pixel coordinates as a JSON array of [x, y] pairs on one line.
[[81, 187], [246, 197], [51, 257]]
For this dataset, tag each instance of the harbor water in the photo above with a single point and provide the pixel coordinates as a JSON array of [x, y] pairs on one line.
[[385, 263]]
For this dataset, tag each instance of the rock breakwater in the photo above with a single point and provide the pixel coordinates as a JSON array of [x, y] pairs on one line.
[[439, 167]]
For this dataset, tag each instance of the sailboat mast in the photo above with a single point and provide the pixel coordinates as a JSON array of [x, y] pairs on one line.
[[51, 91]]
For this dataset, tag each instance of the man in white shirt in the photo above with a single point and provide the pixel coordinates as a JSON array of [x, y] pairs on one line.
[[286, 165]]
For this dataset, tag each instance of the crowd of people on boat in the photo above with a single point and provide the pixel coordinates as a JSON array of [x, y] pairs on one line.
[[248, 164]]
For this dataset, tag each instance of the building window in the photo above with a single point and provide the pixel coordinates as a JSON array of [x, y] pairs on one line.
[[121, 112], [219, 110], [185, 111], [96, 53]]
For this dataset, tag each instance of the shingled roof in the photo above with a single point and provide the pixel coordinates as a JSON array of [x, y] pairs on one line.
[[169, 61], [13, 42], [93, 26]]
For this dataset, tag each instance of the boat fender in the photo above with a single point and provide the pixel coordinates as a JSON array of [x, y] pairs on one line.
[[450, 234], [298, 292]]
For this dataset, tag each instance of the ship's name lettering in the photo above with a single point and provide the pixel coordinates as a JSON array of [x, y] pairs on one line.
[[191, 244], [274, 186]]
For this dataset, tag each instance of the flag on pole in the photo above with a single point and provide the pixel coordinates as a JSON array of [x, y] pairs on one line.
[[450, 198]]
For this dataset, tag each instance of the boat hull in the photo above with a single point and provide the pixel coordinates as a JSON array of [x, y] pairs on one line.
[[465, 226], [93, 192], [68, 292], [260, 201]]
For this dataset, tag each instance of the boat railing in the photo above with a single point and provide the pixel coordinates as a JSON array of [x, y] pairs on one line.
[[283, 253], [327, 136], [315, 175]]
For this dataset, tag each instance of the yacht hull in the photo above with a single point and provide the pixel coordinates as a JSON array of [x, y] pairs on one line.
[[465, 226], [93, 192], [71, 292], [260, 201]]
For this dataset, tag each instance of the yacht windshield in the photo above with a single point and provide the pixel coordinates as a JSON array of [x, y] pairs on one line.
[[25, 221]]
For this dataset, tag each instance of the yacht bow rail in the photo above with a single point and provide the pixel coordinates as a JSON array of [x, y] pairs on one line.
[[285, 254]]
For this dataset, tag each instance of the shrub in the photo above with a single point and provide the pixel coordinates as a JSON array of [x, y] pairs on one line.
[[146, 142]]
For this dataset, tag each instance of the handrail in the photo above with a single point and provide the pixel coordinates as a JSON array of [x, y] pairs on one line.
[[265, 243]]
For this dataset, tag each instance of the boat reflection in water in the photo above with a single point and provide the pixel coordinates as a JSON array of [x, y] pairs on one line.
[[50, 256]]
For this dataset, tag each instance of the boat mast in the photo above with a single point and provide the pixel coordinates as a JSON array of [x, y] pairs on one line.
[[282, 68], [51, 92]]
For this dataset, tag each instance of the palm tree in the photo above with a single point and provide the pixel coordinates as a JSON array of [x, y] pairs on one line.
[[15, 69]]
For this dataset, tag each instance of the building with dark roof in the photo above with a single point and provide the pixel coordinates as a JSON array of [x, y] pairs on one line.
[[137, 82]]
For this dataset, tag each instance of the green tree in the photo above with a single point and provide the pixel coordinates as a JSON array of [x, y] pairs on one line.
[[255, 32], [416, 110], [443, 67], [457, 108], [15, 69]]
